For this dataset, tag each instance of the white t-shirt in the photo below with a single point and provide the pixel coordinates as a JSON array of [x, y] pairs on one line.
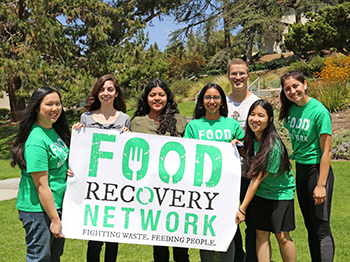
[[239, 111]]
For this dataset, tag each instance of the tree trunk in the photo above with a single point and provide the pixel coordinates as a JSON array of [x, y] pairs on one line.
[[16, 105], [249, 48], [227, 33]]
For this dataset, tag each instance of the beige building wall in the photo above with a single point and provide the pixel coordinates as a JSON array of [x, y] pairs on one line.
[[270, 42], [4, 101]]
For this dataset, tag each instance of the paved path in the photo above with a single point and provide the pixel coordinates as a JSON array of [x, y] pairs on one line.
[[9, 188]]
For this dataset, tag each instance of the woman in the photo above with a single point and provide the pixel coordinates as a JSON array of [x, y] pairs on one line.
[[271, 190], [211, 116], [105, 109], [41, 151], [157, 113], [309, 126]]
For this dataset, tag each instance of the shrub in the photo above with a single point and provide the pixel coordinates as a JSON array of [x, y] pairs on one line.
[[182, 65], [341, 145], [332, 85], [309, 68], [4, 114]]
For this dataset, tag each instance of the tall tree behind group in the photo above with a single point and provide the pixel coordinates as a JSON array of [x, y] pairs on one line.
[[65, 43]]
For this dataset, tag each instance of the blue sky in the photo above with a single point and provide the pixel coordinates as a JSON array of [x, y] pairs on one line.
[[160, 31]]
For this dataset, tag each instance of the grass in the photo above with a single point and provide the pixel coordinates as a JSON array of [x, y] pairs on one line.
[[7, 134], [12, 244], [186, 109], [6, 171]]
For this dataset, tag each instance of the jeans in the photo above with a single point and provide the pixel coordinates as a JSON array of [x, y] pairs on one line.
[[41, 243]]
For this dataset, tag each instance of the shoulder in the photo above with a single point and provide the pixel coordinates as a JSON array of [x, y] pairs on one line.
[[229, 120], [252, 98], [138, 119], [123, 115], [36, 136], [317, 104], [86, 115], [316, 107], [180, 118]]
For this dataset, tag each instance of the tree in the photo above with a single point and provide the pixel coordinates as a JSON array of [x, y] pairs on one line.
[[137, 65], [303, 6], [250, 17], [255, 18], [65, 44], [330, 27]]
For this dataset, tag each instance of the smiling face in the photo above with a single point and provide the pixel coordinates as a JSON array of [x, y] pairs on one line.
[[107, 93], [212, 102], [238, 76], [295, 91], [157, 100], [257, 121], [49, 111]]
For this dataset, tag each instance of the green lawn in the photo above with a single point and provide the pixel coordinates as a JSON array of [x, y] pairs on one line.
[[12, 244]]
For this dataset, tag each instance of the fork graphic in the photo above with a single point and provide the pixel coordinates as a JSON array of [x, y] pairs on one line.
[[135, 160]]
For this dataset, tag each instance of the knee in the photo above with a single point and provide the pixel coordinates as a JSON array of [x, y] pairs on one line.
[[262, 235], [283, 238]]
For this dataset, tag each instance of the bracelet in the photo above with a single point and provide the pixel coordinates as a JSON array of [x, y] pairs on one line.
[[241, 211]]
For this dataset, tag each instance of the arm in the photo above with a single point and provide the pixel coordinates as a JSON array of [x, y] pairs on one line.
[[320, 189], [253, 186], [46, 199]]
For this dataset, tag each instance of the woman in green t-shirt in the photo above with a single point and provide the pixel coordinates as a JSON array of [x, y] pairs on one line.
[[157, 114], [41, 151], [310, 130], [211, 123], [270, 194]]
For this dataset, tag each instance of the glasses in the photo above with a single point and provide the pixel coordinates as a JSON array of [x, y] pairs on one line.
[[215, 98]]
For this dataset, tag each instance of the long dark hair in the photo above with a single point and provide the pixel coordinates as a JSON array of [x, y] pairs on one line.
[[199, 110], [28, 117], [254, 164], [92, 101], [285, 102], [167, 120]]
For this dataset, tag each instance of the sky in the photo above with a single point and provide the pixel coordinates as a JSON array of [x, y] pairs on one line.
[[160, 31]]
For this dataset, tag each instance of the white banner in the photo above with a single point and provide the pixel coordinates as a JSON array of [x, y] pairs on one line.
[[154, 190]]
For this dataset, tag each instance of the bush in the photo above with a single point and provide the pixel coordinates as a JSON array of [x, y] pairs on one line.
[[341, 145], [309, 68], [5, 114], [332, 85]]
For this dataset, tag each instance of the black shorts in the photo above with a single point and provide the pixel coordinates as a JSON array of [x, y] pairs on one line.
[[272, 215]]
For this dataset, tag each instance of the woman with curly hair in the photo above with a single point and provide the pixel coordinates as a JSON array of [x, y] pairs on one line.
[[104, 109], [41, 151], [211, 123], [157, 113], [310, 129]]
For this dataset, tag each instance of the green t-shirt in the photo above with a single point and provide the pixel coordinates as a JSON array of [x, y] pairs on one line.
[[280, 187], [305, 125], [44, 151], [223, 129]]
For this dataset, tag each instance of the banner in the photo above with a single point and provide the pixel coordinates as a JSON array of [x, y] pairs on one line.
[[149, 189]]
